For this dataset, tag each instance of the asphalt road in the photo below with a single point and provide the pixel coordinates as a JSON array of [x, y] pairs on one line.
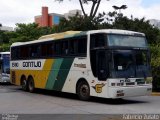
[[15, 101]]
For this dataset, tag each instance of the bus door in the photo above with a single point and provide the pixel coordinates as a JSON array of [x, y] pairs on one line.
[[102, 65]]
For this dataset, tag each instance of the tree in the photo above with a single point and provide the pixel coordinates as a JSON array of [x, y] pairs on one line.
[[94, 8], [23, 33]]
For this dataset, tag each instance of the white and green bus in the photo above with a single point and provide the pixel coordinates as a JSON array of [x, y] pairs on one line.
[[4, 67], [103, 63]]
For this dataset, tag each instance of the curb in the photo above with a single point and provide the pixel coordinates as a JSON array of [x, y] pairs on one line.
[[155, 94]]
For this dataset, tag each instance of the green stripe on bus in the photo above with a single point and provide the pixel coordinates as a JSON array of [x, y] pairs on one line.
[[53, 73], [63, 73]]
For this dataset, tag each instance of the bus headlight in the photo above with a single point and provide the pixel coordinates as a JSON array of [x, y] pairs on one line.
[[117, 84], [113, 84]]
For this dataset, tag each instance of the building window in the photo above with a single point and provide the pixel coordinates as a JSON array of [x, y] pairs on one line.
[[56, 20]]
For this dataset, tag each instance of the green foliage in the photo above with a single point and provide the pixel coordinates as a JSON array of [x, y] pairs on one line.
[[155, 50], [5, 47], [23, 33], [78, 23]]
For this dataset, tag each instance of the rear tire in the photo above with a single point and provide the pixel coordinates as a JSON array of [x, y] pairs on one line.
[[31, 86], [24, 84], [83, 90]]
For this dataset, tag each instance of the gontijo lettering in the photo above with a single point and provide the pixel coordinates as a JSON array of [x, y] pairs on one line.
[[32, 64]]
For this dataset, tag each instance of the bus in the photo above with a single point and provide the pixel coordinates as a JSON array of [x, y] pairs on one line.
[[4, 67], [105, 63]]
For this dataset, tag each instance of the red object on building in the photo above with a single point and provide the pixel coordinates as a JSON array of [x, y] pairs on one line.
[[50, 19], [45, 20], [45, 16]]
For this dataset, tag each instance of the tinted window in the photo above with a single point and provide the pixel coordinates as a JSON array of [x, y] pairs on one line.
[[57, 48], [24, 52], [35, 51], [46, 49], [98, 40], [73, 48], [126, 40], [65, 49], [15, 52], [82, 45]]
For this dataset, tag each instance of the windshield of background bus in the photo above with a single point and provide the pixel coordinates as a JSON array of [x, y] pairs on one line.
[[6, 65]]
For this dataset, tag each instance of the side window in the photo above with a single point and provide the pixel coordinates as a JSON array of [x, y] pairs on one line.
[[97, 40], [15, 52], [35, 51], [24, 52], [73, 48], [57, 48], [49, 49], [12, 53], [44, 50], [82, 45], [65, 48]]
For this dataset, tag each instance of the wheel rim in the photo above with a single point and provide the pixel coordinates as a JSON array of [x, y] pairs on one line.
[[24, 83], [84, 90], [31, 85]]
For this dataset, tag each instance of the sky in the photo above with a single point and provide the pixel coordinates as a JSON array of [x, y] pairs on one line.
[[23, 11]]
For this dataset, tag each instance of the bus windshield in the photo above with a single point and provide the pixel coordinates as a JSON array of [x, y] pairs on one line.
[[126, 40], [129, 63]]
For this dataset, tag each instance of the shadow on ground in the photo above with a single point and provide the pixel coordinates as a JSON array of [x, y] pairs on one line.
[[92, 99], [12, 88]]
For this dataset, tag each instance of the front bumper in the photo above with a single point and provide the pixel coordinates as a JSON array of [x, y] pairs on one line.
[[131, 91]]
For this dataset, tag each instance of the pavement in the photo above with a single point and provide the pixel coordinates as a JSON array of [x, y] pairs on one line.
[[155, 94]]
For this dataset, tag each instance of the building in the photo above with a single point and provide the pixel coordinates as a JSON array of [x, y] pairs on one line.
[[6, 28], [50, 19], [155, 22], [72, 13]]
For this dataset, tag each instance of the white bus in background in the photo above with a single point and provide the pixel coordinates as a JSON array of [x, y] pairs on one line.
[[4, 67]]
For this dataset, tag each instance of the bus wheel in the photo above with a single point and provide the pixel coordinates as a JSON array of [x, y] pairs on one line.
[[31, 86], [83, 90], [24, 84]]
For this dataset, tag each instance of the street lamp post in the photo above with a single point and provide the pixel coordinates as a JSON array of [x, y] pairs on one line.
[[119, 8]]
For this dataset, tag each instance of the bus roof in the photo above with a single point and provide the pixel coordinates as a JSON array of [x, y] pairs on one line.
[[60, 35], [117, 31], [69, 34], [50, 37]]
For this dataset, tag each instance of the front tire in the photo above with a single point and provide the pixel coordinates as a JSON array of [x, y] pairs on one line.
[[31, 86], [83, 90]]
